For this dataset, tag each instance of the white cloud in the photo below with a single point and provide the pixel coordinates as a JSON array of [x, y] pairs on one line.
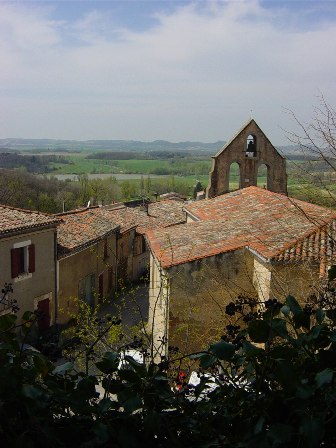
[[194, 75]]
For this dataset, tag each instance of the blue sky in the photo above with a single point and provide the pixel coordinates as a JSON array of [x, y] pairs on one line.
[[174, 70]]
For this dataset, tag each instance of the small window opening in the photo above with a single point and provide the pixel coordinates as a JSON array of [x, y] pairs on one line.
[[251, 146]]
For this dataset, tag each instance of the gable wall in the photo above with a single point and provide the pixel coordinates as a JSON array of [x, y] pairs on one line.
[[236, 152]]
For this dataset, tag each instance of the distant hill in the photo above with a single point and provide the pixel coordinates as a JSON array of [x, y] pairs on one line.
[[44, 145]]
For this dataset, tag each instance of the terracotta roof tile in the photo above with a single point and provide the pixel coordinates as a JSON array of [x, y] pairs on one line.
[[13, 220], [81, 228], [160, 214], [273, 225]]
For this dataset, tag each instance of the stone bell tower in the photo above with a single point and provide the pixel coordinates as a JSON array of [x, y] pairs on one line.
[[249, 148]]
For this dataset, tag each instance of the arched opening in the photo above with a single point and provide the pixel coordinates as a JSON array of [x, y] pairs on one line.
[[234, 176], [251, 146], [262, 176]]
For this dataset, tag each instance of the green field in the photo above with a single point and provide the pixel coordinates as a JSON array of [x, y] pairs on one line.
[[79, 164], [184, 172]]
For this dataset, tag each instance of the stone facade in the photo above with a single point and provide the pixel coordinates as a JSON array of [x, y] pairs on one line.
[[89, 274], [187, 302], [249, 148]]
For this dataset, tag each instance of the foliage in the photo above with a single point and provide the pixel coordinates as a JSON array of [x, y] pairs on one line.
[[94, 331], [317, 143], [271, 384]]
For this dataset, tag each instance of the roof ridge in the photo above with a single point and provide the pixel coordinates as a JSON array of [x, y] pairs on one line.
[[26, 210]]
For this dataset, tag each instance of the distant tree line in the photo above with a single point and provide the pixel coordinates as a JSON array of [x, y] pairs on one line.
[[32, 163], [18, 188]]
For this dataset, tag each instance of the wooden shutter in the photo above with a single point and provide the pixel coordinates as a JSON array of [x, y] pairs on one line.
[[15, 262], [31, 258]]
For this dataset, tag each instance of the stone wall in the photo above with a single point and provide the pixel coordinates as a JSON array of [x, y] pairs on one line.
[[78, 266], [235, 152], [193, 296], [199, 293]]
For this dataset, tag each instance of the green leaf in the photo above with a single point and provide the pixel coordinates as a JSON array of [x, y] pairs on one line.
[[259, 425], [332, 273], [293, 305], [259, 330], [63, 368], [324, 377], [251, 351], [331, 314], [129, 375], [320, 315], [109, 363], [7, 321], [279, 328], [285, 310], [105, 404], [207, 361], [223, 350], [129, 401], [301, 319], [32, 392], [196, 355], [42, 365]]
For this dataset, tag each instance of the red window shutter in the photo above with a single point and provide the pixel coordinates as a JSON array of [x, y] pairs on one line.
[[15, 259], [31, 258]]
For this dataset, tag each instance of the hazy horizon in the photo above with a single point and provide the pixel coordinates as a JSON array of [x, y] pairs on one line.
[[162, 70]]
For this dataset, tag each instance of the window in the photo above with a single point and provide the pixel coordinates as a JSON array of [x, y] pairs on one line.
[[86, 289], [139, 245], [23, 259]]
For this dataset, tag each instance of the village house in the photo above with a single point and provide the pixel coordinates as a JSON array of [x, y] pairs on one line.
[[101, 249], [28, 262], [132, 253], [250, 242], [87, 259]]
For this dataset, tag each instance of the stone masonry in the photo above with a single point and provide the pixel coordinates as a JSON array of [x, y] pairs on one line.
[[249, 148]]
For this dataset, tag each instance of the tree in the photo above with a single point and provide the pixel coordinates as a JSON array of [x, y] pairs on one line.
[[269, 385], [317, 142]]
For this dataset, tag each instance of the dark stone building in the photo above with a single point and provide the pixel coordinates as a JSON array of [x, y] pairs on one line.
[[250, 149]]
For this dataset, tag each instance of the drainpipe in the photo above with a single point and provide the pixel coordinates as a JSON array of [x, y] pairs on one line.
[[56, 277], [116, 262]]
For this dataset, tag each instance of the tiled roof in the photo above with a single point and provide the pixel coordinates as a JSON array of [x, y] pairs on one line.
[[14, 220], [160, 214], [81, 228], [267, 223]]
